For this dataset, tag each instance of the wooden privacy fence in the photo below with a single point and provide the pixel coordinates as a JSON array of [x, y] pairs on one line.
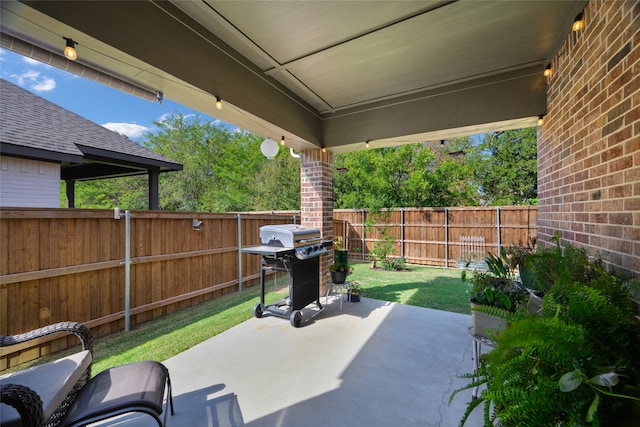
[[439, 236], [70, 264]]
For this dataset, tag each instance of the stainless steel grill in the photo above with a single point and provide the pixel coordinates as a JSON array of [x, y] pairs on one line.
[[293, 249]]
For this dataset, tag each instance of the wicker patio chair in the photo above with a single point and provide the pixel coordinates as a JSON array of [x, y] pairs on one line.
[[24, 399], [62, 393]]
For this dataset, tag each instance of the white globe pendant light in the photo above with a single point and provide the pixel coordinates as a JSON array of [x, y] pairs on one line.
[[269, 148]]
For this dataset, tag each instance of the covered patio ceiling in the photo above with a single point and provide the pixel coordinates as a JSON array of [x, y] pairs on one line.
[[323, 74]]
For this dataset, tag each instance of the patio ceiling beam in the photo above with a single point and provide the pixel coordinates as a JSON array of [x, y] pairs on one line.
[[478, 103], [175, 44]]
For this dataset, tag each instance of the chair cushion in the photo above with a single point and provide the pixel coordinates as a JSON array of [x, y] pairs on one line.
[[52, 381], [138, 386]]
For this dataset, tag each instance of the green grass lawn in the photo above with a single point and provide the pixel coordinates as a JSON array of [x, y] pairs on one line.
[[166, 336], [430, 287]]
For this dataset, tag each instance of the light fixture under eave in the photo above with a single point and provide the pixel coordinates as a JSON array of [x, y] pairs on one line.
[[282, 141], [218, 103], [366, 144], [540, 120], [269, 148], [578, 23], [70, 49], [548, 71]]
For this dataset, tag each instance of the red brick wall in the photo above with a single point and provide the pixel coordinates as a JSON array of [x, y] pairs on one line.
[[589, 145], [316, 194]]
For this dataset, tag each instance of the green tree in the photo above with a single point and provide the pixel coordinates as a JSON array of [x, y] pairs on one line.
[[505, 167], [223, 171], [277, 184], [411, 175]]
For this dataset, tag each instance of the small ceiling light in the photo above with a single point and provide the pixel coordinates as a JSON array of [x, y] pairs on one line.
[[366, 144], [282, 141], [324, 150], [218, 103], [70, 49], [540, 119], [269, 148], [578, 23], [547, 71]]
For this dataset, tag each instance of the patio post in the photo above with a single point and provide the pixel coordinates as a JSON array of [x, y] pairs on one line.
[[316, 200]]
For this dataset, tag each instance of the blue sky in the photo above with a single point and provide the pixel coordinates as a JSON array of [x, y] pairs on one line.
[[111, 108]]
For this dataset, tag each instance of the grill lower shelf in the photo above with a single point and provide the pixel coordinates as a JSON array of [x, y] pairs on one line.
[[304, 287]]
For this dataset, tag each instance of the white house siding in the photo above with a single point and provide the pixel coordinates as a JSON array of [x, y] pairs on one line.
[[29, 183]]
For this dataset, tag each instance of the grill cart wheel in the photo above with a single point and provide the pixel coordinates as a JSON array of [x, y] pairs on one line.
[[296, 318], [257, 311]]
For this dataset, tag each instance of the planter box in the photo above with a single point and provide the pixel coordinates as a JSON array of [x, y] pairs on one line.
[[485, 325]]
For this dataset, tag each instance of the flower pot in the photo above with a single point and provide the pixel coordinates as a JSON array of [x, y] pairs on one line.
[[341, 256], [339, 277], [353, 297], [486, 325]]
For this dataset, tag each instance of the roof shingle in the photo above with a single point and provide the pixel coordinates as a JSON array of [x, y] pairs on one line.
[[32, 122]]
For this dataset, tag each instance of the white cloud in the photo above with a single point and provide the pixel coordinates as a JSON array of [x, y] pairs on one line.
[[46, 84], [34, 81], [26, 77], [132, 130]]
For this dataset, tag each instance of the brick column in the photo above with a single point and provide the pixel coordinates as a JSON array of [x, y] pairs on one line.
[[316, 200]]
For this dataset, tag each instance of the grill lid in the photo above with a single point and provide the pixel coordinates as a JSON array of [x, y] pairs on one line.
[[289, 235]]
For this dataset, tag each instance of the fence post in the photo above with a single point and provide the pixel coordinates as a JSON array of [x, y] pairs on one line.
[[498, 222], [363, 239], [402, 232], [239, 226], [446, 237], [127, 270]]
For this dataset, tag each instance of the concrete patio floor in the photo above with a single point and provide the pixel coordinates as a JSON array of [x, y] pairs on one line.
[[372, 363]]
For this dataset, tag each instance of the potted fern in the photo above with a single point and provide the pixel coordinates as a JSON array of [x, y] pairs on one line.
[[494, 296], [355, 292], [575, 364]]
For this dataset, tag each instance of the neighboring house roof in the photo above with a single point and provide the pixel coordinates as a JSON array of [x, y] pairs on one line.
[[32, 127]]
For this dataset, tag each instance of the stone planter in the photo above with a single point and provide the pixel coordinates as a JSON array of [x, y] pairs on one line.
[[484, 325]]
